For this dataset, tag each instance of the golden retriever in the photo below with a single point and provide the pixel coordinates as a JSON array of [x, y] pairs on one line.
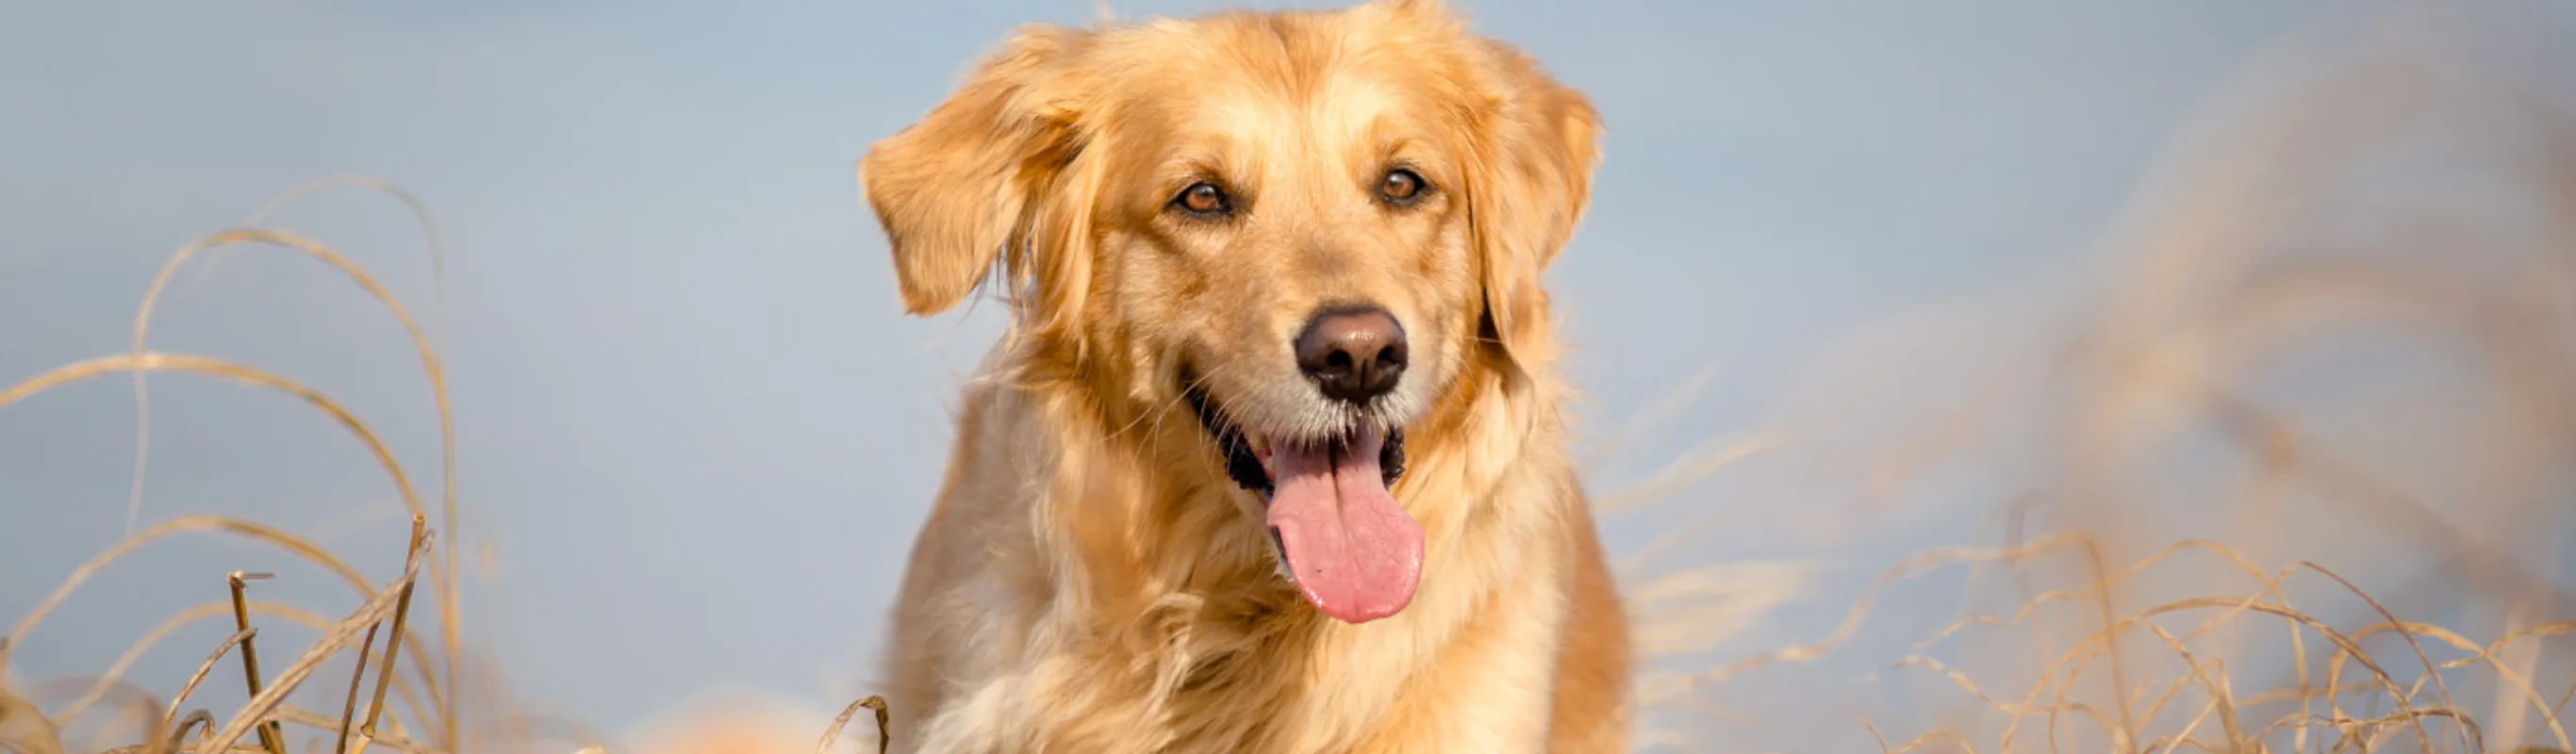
[[1271, 457]]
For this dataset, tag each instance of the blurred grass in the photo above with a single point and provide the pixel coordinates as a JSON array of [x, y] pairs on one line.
[[2336, 335], [427, 688]]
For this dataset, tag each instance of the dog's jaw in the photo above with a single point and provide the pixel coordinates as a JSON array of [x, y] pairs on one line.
[[1247, 456], [1336, 532]]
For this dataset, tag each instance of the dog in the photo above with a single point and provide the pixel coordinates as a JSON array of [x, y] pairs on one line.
[[1271, 456]]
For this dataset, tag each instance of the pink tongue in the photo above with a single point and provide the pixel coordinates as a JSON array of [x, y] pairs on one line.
[[1356, 555]]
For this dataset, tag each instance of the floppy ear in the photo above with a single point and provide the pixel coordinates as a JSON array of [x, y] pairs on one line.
[[1540, 144], [957, 190]]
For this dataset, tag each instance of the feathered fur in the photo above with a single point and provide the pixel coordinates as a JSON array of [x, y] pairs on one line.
[[1090, 579]]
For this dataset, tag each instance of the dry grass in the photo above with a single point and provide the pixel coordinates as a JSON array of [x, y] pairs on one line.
[[2288, 235], [417, 702], [2111, 637], [427, 688]]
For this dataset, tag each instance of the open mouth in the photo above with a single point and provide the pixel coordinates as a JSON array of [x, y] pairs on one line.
[[1353, 553]]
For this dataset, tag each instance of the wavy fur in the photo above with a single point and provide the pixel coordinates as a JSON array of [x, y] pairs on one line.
[[1091, 579]]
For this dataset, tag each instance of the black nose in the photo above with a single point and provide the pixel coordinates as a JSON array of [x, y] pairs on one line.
[[1354, 354]]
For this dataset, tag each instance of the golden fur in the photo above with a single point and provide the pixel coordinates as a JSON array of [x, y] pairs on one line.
[[1090, 579]]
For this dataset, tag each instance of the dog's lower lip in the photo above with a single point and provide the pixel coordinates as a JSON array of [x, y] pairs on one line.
[[1247, 456], [1234, 447]]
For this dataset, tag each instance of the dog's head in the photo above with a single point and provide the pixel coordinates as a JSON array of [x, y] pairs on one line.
[[1309, 228]]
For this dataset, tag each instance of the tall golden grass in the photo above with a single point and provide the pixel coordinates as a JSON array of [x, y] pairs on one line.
[[427, 689], [2400, 194], [2110, 637]]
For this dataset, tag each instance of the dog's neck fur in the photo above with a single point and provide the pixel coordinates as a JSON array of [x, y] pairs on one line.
[[1172, 578]]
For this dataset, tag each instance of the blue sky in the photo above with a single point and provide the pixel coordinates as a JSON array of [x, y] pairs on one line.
[[696, 431]]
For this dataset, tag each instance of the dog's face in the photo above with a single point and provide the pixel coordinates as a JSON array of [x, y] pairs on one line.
[[1305, 228]]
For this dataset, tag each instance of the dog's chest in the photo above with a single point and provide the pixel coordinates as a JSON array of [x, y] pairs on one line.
[[1275, 691], [1303, 684]]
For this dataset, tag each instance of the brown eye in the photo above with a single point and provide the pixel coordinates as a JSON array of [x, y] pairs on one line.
[[1203, 199], [1401, 188]]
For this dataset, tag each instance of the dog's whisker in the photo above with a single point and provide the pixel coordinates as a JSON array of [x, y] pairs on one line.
[[1165, 408]]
